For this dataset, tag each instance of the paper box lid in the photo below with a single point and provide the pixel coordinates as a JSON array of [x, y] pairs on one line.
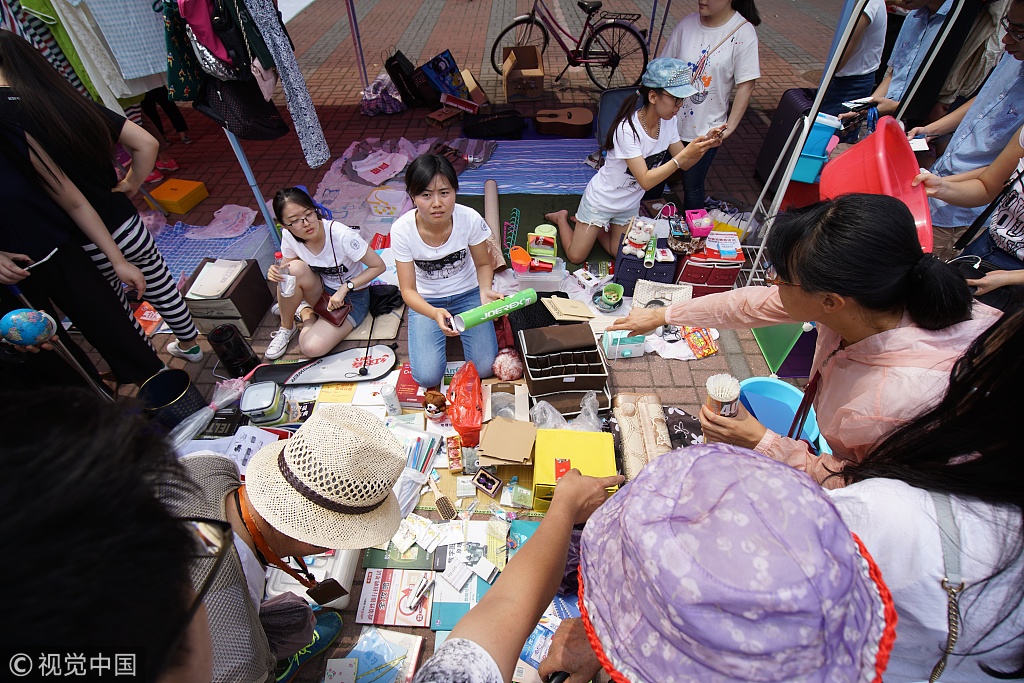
[[592, 453], [506, 442]]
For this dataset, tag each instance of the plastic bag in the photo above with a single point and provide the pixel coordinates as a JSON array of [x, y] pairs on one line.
[[587, 420], [407, 489], [154, 221], [545, 416], [503, 405], [466, 401], [224, 394], [229, 221]]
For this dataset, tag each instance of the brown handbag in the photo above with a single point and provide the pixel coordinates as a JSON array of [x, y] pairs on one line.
[[338, 316]]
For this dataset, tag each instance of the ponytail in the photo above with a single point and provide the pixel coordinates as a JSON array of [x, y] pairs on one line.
[[625, 113], [865, 246], [937, 295], [748, 10]]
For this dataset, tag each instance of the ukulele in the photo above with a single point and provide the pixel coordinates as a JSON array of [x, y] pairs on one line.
[[575, 122]]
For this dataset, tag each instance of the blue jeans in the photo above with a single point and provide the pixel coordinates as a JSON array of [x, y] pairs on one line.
[[689, 184], [427, 342], [985, 247], [843, 89]]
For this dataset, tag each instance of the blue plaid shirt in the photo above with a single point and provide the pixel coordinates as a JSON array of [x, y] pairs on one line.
[[997, 113], [916, 36]]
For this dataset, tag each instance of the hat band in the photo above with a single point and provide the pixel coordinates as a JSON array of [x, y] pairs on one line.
[[314, 497]]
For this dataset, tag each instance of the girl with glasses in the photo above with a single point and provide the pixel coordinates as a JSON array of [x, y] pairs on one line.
[[644, 149], [891, 322], [323, 256]]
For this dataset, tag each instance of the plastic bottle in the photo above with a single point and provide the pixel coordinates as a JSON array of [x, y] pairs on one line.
[[286, 286]]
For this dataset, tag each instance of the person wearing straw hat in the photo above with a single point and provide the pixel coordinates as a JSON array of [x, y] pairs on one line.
[[327, 487], [715, 564]]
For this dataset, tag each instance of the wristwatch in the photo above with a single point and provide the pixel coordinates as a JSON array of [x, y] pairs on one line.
[[350, 285]]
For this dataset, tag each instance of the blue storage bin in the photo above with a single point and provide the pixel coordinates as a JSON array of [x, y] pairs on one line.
[[774, 403], [822, 130], [808, 168]]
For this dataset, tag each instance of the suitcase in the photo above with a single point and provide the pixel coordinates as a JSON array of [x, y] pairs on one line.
[[795, 102], [400, 69]]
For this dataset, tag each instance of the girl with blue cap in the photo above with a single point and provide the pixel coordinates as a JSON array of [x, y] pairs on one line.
[[644, 149]]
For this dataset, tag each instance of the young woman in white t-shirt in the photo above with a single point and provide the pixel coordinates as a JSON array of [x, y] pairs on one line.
[[719, 43], [643, 151], [324, 256], [443, 270]]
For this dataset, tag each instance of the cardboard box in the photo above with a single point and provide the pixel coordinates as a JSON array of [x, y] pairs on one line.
[[506, 442], [444, 117], [522, 73], [177, 195], [476, 93], [243, 305], [516, 388], [592, 453]]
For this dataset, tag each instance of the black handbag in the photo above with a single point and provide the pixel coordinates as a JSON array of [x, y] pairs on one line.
[[230, 35], [239, 107], [1005, 299], [400, 69]]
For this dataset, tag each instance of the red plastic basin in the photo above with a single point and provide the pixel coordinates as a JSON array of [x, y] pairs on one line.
[[881, 163]]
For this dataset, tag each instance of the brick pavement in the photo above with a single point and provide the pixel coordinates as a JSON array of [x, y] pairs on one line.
[[794, 39]]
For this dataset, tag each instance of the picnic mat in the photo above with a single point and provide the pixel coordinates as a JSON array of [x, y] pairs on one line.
[[542, 167], [505, 472], [532, 208], [385, 327]]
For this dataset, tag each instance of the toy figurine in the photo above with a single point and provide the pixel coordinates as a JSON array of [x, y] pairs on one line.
[[435, 405], [637, 238]]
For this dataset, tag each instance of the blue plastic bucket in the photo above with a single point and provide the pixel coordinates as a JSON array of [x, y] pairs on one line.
[[774, 403]]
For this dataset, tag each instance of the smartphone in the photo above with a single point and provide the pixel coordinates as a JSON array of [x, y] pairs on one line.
[[326, 591]]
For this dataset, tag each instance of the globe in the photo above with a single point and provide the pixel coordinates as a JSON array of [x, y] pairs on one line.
[[25, 326]]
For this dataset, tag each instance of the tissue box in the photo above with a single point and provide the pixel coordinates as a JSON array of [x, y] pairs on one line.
[[618, 344]]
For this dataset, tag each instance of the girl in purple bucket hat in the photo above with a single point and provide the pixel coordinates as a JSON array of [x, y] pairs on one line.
[[714, 565]]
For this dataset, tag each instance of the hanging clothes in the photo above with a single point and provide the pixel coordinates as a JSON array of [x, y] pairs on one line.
[[134, 33], [183, 72], [9, 19], [198, 14], [300, 104], [45, 32]]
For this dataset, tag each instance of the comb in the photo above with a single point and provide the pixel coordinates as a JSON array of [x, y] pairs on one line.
[[443, 503]]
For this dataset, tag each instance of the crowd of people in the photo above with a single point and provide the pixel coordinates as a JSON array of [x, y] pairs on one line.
[[897, 554]]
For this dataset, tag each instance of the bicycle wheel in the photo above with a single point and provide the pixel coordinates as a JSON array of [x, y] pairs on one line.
[[524, 31], [619, 53]]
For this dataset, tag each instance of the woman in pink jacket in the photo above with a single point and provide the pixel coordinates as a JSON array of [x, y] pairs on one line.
[[891, 320]]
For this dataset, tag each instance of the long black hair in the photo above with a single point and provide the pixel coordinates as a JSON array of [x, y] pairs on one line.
[[78, 495], [865, 246], [748, 9], [633, 102], [968, 444], [73, 125]]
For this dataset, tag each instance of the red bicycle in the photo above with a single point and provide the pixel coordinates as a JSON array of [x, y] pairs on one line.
[[612, 49]]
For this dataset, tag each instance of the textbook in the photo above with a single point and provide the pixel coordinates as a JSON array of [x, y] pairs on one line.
[[384, 600]]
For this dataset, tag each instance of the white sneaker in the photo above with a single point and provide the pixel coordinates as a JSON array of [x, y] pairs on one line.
[[276, 309], [192, 355], [279, 342]]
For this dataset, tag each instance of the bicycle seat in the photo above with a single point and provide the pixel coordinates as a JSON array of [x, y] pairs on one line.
[[589, 7]]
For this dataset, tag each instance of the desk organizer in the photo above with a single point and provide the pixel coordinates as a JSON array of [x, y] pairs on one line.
[[700, 223], [562, 358]]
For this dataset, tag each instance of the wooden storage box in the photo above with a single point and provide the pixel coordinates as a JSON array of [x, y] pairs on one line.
[[178, 196]]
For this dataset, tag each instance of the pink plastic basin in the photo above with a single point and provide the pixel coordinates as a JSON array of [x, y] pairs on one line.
[[881, 163]]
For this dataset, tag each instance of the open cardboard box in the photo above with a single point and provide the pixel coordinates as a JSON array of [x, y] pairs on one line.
[[476, 93], [516, 388], [522, 73]]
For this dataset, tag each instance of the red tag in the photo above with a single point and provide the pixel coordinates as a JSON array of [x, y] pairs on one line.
[[562, 467]]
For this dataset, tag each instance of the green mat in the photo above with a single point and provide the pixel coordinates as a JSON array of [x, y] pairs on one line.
[[532, 208]]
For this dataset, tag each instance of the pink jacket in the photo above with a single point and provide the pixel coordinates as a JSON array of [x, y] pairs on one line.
[[867, 389]]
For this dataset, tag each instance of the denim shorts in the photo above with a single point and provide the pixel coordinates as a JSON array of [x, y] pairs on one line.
[[360, 300], [587, 213]]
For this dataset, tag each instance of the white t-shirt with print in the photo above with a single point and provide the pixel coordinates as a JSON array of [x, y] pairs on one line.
[[333, 268], [868, 56], [614, 189], [734, 62], [1007, 226], [446, 270]]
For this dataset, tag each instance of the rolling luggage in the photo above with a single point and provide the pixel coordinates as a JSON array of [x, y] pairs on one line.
[[795, 103]]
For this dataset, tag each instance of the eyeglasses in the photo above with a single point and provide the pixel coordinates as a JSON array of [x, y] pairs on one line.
[[213, 539], [771, 277], [677, 101], [1016, 35], [306, 219]]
